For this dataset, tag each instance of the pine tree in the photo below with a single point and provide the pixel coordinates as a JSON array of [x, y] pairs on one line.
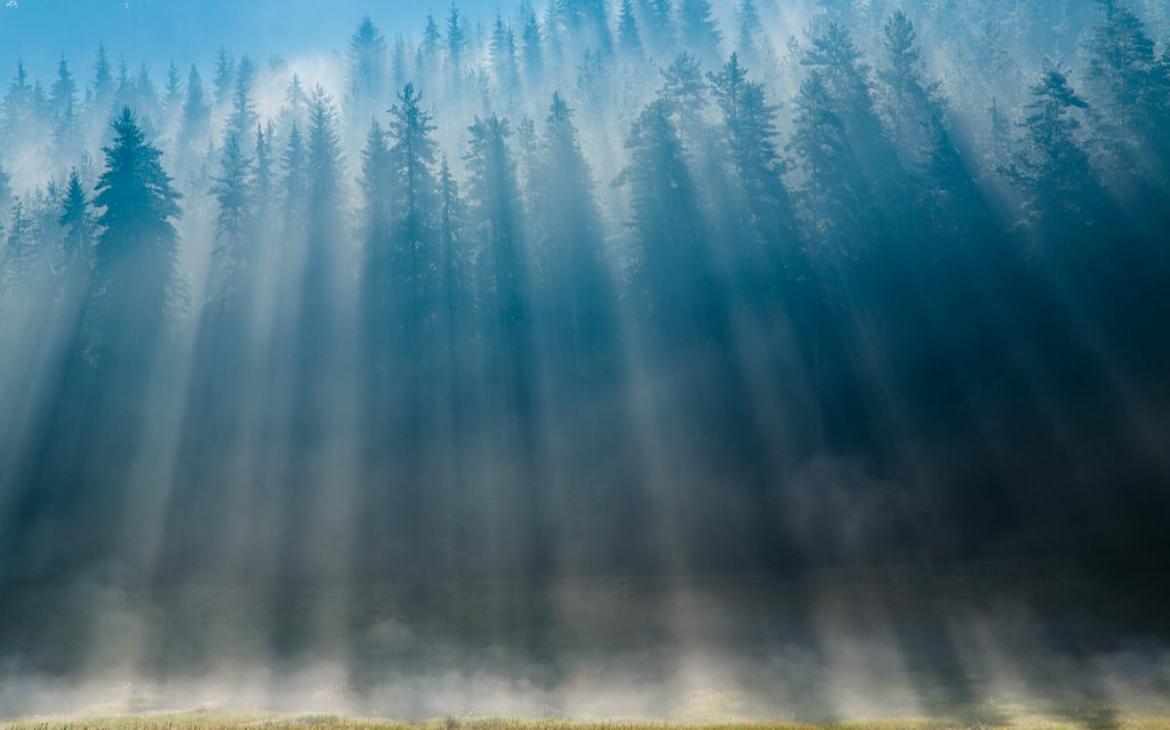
[[145, 95], [749, 123], [581, 324], [21, 250], [195, 126], [103, 80], [657, 26], [532, 45], [1062, 194], [684, 94], [494, 216], [225, 77], [1130, 91], [431, 37], [5, 192], [173, 96], [243, 119], [19, 107], [1121, 58], [629, 39], [375, 185], [503, 54], [63, 104], [234, 194], [296, 105], [672, 272], [456, 40], [867, 161], [136, 253], [699, 31], [835, 207], [367, 66], [295, 185], [324, 167], [749, 28], [78, 224], [264, 194], [63, 94]]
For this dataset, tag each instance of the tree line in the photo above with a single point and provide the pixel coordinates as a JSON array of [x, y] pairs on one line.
[[505, 343]]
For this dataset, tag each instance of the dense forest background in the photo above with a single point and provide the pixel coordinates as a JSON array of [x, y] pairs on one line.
[[653, 290]]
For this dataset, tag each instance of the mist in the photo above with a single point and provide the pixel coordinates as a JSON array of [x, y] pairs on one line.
[[680, 360]]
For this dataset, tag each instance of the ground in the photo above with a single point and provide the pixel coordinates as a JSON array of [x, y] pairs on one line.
[[204, 720]]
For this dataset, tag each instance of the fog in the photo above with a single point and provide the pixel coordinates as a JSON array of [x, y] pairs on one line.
[[677, 360]]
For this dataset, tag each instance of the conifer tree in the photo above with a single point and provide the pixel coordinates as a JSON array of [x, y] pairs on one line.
[[699, 31], [749, 125], [579, 296], [629, 39], [78, 224], [295, 185], [225, 77], [136, 251], [532, 45], [1062, 194], [456, 40], [103, 80], [233, 191], [368, 67], [243, 118]]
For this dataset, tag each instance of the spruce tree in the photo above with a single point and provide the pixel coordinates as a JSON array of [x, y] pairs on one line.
[[629, 39], [225, 77], [78, 224], [456, 41], [579, 296], [243, 119], [532, 46], [1062, 194], [136, 253], [235, 196], [699, 31], [367, 67], [103, 80]]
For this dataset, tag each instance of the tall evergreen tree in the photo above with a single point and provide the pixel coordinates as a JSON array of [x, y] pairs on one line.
[[749, 126], [225, 77], [137, 248], [699, 31], [103, 80], [503, 54], [629, 39], [195, 126], [579, 296], [1062, 194], [77, 221], [532, 45], [295, 184], [234, 193], [243, 119], [456, 40], [173, 95], [368, 66]]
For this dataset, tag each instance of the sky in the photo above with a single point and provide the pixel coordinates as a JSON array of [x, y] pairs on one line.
[[187, 30]]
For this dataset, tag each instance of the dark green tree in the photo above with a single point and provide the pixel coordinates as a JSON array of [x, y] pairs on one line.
[[135, 277], [225, 77], [698, 30]]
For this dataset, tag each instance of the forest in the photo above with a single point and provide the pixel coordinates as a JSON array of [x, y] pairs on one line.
[[650, 288]]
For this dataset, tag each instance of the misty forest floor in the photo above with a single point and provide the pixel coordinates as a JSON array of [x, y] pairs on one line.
[[204, 720]]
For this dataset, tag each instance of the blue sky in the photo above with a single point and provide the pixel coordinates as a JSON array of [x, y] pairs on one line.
[[189, 30]]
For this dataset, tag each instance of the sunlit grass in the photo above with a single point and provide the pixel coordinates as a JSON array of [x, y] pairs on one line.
[[214, 720]]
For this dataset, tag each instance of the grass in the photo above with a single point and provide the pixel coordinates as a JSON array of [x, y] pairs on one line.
[[214, 720]]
